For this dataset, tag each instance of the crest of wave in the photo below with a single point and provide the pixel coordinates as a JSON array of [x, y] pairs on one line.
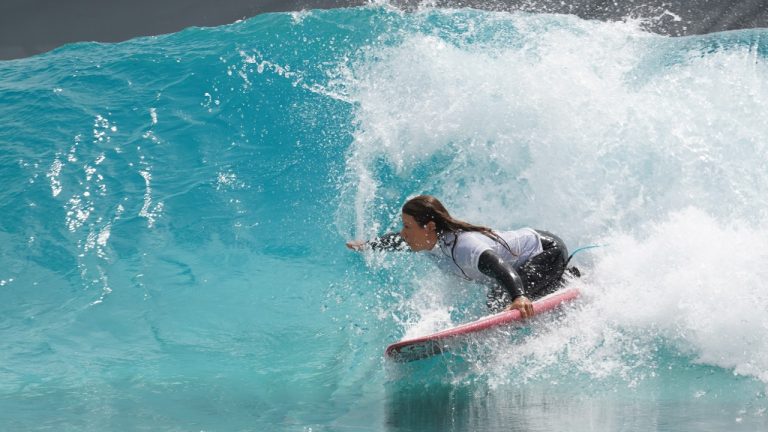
[[517, 119]]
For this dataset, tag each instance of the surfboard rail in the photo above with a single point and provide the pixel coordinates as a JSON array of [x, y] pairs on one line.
[[425, 346]]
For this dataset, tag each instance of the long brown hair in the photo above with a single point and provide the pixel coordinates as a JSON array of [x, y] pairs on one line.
[[426, 208]]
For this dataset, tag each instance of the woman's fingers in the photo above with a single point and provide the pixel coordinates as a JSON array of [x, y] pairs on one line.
[[356, 245], [524, 305]]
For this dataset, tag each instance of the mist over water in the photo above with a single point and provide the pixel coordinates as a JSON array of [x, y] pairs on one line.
[[174, 212]]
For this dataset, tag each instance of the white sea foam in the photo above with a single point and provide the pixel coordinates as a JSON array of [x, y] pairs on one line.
[[691, 284], [597, 122], [149, 210], [600, 133], [53, 175]]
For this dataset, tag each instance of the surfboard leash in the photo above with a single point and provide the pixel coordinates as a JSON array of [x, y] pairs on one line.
[[582, 249]]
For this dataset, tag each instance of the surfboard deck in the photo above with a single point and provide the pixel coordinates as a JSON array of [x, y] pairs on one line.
[[436, 343]]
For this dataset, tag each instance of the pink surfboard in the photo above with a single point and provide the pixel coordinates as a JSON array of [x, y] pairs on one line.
[[436, 343]]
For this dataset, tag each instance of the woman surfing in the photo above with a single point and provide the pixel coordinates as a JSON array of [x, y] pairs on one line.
[[520, 265]]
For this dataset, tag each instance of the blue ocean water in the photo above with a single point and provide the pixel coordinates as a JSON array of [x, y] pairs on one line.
[[174, 211]]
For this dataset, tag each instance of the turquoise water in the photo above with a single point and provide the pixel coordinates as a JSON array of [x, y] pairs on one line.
[[174, 212]]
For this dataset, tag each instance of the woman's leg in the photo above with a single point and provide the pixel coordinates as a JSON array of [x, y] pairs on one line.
[[543, 273]]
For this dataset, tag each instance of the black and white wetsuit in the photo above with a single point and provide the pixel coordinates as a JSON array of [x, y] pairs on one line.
[[528, 262]]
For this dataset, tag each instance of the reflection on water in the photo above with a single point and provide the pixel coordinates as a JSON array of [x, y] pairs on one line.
[[415, 403]]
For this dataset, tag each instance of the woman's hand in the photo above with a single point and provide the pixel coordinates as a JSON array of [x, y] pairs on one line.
[[523, 304], [356, 245]]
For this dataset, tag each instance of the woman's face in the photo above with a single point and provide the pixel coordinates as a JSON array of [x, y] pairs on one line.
[[419, 238]]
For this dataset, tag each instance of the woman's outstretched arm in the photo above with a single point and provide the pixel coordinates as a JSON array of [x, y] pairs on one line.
[[389, 241]]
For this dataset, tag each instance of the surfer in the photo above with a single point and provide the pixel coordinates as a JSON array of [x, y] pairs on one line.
[[521, 265]]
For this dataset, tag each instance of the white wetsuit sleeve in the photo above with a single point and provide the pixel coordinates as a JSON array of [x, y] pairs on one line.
[[469, 247]]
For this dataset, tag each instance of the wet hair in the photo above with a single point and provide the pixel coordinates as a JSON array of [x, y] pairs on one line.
[[426, 208]]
